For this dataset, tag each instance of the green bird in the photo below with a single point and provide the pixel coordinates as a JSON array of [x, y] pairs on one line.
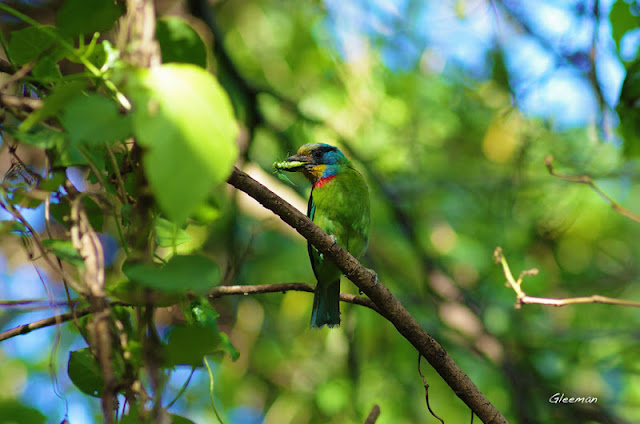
[[339, 204]]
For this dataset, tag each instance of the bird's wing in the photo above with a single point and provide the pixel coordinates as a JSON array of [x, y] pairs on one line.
[[314, 256]]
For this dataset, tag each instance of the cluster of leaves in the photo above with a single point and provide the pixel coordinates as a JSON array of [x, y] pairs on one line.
[[624, 21], [155, 142]]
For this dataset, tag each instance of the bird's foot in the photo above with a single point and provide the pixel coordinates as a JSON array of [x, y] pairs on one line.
[[375, 276], [334, 240]]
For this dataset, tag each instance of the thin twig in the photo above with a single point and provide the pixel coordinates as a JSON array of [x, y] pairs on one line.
[[586, 179], [20, 102], [10, 207], [46, 322], [216, 293], [285, 287], [17, 75], [121, 190], [522, 298], [426, 391]]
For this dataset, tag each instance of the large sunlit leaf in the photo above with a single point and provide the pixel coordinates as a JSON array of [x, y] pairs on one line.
[[184, 120]]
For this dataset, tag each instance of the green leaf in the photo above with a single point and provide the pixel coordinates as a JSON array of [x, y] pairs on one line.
[[94, 119], [282, 176], [60, 211], [68, 155], [53, 103], [39, 136], [26, 198], [201, 312], [105, 55], [180, 274], [169, 234], [94, 212], [133, 417], [228, 347], [64, 250], [29, 43], [41, 43], [135, 293], [188, 344], [84, 372], [184, 120], [177, 419], [12, 411], [206, 213], [86, 17], [622, 21], [54, 182], [47, 70], [629, 110], [179, 42]]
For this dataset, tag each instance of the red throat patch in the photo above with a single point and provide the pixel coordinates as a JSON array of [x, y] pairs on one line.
[[322, 181]]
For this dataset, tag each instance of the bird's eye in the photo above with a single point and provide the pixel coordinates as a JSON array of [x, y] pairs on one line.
[[317, 154]]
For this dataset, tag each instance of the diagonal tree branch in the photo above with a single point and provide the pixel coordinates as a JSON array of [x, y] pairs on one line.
[[388, 305]]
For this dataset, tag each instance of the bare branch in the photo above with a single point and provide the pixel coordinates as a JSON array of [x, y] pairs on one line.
[[216, 293], [284, 287], [373, 415], [522, 298], [46, 322], [586, 179], [6, 67], [388, 305], [17, 75], [86, 242], [18, 102]]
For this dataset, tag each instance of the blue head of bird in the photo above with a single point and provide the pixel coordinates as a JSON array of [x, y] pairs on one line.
[[315, 161]]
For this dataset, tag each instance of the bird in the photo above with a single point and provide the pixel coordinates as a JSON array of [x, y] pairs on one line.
[[339, 204]]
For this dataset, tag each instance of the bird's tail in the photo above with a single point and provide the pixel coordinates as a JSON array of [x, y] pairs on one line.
[[326, 305]]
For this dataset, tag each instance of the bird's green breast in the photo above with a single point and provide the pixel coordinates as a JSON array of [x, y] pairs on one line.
[[341, 208]]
